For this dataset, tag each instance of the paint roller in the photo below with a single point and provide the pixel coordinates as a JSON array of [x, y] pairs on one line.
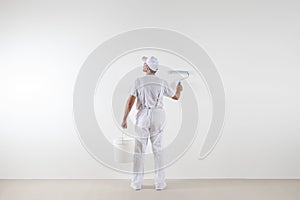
[[183, 73]]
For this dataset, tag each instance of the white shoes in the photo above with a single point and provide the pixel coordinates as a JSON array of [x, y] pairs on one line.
[[160, 186], [135, 187]]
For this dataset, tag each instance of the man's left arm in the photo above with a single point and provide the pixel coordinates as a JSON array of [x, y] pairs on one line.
[[128, 107]]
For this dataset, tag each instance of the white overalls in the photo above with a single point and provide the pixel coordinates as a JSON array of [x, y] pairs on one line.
[[150, 120]]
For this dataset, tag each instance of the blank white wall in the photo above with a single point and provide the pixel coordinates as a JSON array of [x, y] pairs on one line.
[[254, 44]]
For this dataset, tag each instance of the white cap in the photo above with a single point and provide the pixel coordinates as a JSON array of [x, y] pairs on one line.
[[152, 62]]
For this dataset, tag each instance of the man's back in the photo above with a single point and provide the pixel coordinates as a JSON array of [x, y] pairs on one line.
[[150, 90]]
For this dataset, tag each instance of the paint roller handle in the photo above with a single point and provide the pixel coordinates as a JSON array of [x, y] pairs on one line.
[[179, 86]]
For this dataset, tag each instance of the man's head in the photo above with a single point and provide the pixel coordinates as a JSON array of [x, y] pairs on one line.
[[150, 64]]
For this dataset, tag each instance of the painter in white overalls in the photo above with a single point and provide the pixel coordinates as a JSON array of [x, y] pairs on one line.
[[149, 91]]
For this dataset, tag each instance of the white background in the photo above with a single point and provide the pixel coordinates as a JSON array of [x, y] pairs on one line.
[[254, 44]]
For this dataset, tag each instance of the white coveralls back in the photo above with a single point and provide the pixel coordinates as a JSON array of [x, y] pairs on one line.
[[149, 91]]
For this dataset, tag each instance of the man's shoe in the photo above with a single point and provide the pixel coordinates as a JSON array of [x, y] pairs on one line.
[[160, 186], [135, 187]]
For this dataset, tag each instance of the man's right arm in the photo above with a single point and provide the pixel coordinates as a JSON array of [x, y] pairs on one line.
[[178, 91]]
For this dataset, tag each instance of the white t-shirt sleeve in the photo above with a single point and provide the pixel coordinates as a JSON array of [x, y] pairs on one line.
[[133, 90], [168, 91]]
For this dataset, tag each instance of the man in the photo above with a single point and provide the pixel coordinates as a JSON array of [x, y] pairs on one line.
[[149, 91]]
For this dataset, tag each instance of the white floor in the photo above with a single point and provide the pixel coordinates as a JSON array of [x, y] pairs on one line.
[[240, 189]]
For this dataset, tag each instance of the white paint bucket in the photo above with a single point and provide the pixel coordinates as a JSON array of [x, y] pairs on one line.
[[123, 149]]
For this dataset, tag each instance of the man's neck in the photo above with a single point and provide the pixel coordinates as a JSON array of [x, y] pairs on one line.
[[149, 73]]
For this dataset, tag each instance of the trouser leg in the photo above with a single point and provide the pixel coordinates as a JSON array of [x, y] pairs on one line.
[[156, 141], [156, 137], [138, 161]]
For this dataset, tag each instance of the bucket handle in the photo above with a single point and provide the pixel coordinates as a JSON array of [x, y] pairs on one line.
[[122, 135]]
